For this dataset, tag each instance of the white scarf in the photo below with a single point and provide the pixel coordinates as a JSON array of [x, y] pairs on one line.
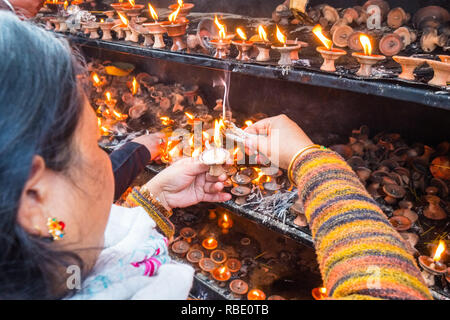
[[135, 263]]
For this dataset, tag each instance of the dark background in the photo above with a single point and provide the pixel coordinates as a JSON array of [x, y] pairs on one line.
[[264, 8]]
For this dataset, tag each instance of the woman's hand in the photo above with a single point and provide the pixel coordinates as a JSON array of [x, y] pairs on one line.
[[153, 142], [185, 183], [279, 138]]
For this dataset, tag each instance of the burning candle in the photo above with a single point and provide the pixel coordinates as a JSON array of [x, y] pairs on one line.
[[221, 274], [286, 49], [244, 46], [256, 294], [209, 244], [328, 53], [433, 266], [225, 223], [263, 45], [366, 59], [319, 293]]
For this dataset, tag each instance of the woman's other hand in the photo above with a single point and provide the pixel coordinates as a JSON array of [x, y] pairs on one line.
[[279, 138], [153, 142], [186, 183]]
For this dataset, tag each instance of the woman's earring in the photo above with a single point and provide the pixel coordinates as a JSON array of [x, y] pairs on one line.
[[56, 228]]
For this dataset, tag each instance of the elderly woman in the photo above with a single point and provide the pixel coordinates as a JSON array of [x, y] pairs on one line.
[[61, 237]]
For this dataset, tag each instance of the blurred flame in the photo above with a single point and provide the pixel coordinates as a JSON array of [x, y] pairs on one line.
[[197, 152], [120, 116], [323, 290], [205, 136], [123, 18], [66, 4], [166, 121], [134, 86], [236, 150], [210, 241], [280, 36], [96, 79], [317, 30], [180, 3], [190, 116], [132, 2], [221, 27], [173, 15], [222, 270], [262, 33], [260, 175], [217, 135], [367, 46], [152, 12], [439, 250], [108, 96], [102, 20], [241, 34]]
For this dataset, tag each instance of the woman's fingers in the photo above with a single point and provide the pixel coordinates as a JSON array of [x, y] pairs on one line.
[[261, 127], [210, 178], [216, 197], [213, 187]]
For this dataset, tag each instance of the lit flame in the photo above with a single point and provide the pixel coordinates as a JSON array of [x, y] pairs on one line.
[[262, 33], [180, 3], [318, 32], [102, 20], [236, 150], [173, 16], [258, 178], [132, 2], [134, 86], [108, 96], [96, 79], [99, 122], [217, 136], [119, 116], [152, 12], [280, 36], [66, 4], [323, 290], [190, 116], [439, 250], [197, 152], [241, 34], [166, 121], [225, 218], [123, 18], [221, 27], [367, 46], [210, 241], [222, 270]]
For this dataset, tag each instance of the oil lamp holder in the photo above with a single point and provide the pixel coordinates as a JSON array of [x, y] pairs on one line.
[[286, 53], [157, 31], [222, 47], [366, 62], [244, 48], [329, 57], [176, 31]]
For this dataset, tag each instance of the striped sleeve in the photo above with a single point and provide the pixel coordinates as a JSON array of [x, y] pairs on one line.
[[361, 256]]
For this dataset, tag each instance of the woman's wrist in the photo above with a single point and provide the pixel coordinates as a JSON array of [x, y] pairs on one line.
[[155, 190]]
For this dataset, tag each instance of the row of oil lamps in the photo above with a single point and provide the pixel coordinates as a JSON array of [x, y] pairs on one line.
[[218, 265]]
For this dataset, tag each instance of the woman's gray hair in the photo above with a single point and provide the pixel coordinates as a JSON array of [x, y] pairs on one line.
[[40, 107]]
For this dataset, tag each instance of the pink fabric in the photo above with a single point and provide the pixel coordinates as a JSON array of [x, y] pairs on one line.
[[152, 264]]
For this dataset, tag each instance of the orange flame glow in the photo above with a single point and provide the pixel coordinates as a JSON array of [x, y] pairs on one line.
[[66, 4], [190, 116], [134, 86], [152, 12], [180, 3], [439, 250], [217, 135], [119, 116], [108, 96], [221, 27], [323, 290], [197, 152], [241, 34], [123, 18], [235, 151], [317, 30], [132, 2], [262, 33], [166, 121], [258, 178], [280, 36], [173, 16], [365, 42], [95, 79]]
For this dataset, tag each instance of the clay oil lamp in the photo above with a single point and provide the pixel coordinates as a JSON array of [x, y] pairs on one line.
[[434, 210], [209, 244], [409, 64], [408, 213], [297, 209], [132, 9], [207, 265], [212, 214], [441, 73], [432, 266], [263, 45], [285, 49], [329, 54], [241, 193], [137, 29], [215, 157], [238, 287], [391, 44], [445, 59], [180, 247], [440, 167], [230, 170], [393, 193], [366, 59], [241, 179], [194, 256], [319, 293], [244, 46], [109, 101], [218, 256], [221, 274], [155, 29], [118, 5], [400, 223], [122, 30], [98, 82], [271, 185], [222, 44], [225, 223], [176, 29], [106, 27], [245, 241], [276, 297], [256, 294], [185, 8], [188, 234], [234, 265]]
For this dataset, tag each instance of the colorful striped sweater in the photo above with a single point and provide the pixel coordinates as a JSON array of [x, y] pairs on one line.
[[361, 256]]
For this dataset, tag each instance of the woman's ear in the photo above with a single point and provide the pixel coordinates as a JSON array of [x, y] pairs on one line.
[[31, 215]]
